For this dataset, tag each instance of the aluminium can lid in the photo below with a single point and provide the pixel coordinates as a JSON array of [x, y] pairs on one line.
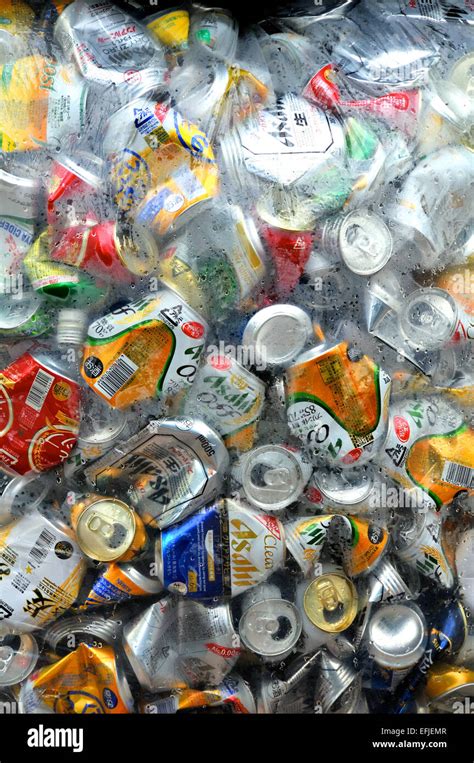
[[270, 627], [106, 529], [278, 333]]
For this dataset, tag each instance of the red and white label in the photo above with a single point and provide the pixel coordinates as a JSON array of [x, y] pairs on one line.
[[220, 362], [39, 416], [227, 652], [193, 329], [352, 456], [402, 428]]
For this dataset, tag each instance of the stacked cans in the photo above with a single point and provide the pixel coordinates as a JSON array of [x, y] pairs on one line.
[[236, 334]]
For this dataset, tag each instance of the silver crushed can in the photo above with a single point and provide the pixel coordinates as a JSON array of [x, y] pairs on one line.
[[109, 47], [168, 470], [178, 643]]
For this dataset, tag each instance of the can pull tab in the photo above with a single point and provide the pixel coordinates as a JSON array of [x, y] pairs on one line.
[[96, 524], [277, 478]]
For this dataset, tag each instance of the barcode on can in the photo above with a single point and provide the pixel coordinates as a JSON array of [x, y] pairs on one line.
[[39, 390], [40, 550], [458, 474], [116, 377]]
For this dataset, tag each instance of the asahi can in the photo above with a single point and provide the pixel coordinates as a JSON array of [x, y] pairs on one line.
[[221, 550], [336, 405], [144, 348], [177, 643], [88, 680], [230, 397], [429, 447], [169, 469]]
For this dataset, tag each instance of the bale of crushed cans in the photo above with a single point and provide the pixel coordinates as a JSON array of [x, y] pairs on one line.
[[236, 342]]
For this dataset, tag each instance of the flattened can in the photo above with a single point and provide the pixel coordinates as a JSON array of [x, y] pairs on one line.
[[95, 630], [419, 541], [178, 643], [144, 348], [430, 447], [109, 46], [27, 316], [233, 693], [169, 469], [41, 570], [19, 208], [346, 490], [74, 190], [41, 104], [39, 418], [108, 250], [163, 168], [230, 397], [221, 550], [337, 405], [216, 30], [277, 334], [214, 270], [121, 582], [362, 543], [88, 680], [271, 628]]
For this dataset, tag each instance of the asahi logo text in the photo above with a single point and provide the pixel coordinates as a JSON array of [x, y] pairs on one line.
[[243, 354]]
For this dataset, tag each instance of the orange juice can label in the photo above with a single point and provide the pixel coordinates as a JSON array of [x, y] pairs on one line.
[[368, 543], [143, 349], [305, 539], [85, 681], [40, 101], [431, 448], [337, 405]]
